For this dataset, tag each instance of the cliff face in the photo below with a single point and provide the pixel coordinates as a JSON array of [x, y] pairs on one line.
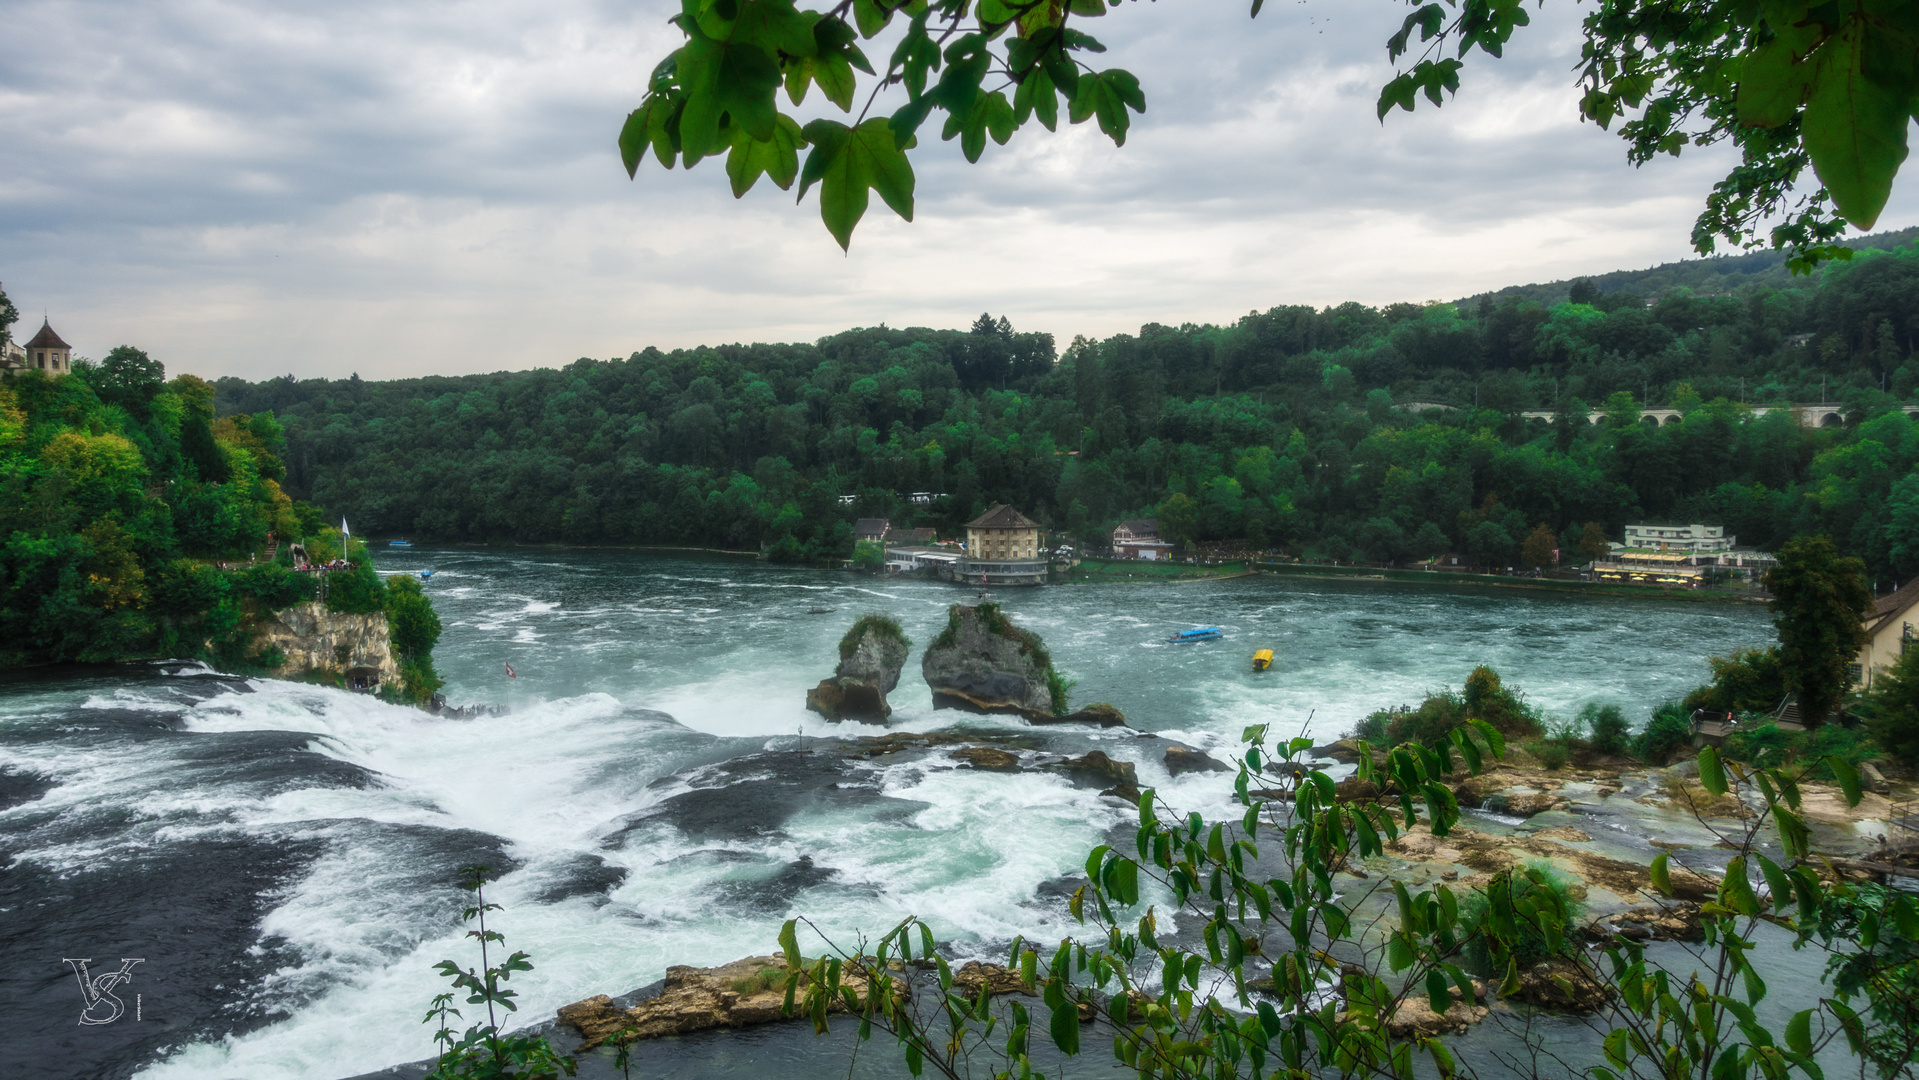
[[315, 639]]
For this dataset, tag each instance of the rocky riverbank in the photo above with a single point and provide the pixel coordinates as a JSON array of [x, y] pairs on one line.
[[1596, 826]]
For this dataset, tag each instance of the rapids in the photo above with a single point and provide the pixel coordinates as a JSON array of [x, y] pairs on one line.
[[281, 857]]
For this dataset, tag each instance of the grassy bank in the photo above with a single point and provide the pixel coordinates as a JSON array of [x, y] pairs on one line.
[[1501, 581], [1091, 571]]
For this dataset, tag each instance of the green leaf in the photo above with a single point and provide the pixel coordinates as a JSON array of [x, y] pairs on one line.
[[789, 943], [1037, 96], [1842, 769], [1799, 1032], [871, 16], [1712, 774], [635, 135], [1510, 985], [718, 78], [1661, 877], [1776, 882], [1738, 888], [1854, 129], [1399, 951], [1438, 991], [1107, 95], [1126, 881], [778, 158], [1494, 739], [846, 163], [1065, 1027], [991, 114], [1772, 81]]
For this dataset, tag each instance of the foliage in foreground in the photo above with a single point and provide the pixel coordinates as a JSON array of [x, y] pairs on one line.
[[1791, 84], [1261, 891], [483, 1051]]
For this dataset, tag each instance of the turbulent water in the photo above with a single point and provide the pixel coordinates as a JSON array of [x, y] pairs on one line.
[[281, 857]]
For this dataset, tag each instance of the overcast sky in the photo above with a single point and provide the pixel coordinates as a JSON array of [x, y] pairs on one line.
[[263, 188]]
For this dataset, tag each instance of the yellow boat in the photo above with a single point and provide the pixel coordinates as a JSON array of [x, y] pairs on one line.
[[1262, 659]]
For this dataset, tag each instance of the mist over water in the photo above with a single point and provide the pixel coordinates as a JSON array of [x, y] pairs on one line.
[[282, 856]]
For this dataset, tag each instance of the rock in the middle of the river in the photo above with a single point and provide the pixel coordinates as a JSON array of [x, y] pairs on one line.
[[871, 656], [981, 662]]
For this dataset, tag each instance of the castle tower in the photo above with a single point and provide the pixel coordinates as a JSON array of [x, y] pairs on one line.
[[46, 352]]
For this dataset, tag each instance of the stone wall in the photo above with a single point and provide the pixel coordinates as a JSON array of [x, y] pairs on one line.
[[315, 639]]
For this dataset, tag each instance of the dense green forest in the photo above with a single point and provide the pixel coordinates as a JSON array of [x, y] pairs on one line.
[[1281, 429], [135, 524]]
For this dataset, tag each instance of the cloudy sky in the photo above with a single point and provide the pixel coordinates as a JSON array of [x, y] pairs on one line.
[[395, 189]]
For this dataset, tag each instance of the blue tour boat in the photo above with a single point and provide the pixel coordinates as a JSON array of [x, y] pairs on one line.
[[1198, 633]]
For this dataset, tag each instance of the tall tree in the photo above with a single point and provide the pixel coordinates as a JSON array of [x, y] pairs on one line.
[[8, 316], [1540, 548], [1819, 604]]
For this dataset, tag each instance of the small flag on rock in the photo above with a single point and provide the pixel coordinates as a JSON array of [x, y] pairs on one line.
[[509, 672]]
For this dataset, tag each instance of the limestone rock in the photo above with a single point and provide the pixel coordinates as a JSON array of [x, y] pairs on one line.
[[1525, 803], [1353, 789], [983, 663], [1565, 833], [1674, 922], [1562, 984], [991, 759], [1414, 1017], [1180, 759], [871, 655], [740, 994], [315, 640], [1873, 779], [999, 980]]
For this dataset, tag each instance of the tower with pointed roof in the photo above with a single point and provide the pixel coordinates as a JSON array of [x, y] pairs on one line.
[[47, 353]]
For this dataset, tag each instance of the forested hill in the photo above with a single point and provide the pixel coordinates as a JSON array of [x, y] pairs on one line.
[[1281, 429], [1711, 276]]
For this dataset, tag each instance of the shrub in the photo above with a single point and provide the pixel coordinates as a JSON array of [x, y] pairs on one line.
[[1539, 881], [1061, 689], [1751, 680], [357, 589], [885, 624], [1552, 753], [1768, 747], [1606, 727], [1667, 731], [1487, 699], [273, 585], [186, 587], [1373, 727], [1484, 698]]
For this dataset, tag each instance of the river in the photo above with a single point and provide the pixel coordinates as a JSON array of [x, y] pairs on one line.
[[281, 857]]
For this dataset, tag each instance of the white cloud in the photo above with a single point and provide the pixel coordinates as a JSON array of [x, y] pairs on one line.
[[253, 189]]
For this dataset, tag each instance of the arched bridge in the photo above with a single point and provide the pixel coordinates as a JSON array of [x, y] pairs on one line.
[[1815, 414]]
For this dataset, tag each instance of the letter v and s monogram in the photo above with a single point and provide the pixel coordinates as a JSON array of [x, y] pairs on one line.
[[102, 1006]]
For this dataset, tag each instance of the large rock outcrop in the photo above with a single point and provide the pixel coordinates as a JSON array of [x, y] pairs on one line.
[[871, 656], [353, 649], [981, 662], [740, 994]]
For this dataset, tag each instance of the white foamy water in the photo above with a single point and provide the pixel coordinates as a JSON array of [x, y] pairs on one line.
[[663, 797]]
